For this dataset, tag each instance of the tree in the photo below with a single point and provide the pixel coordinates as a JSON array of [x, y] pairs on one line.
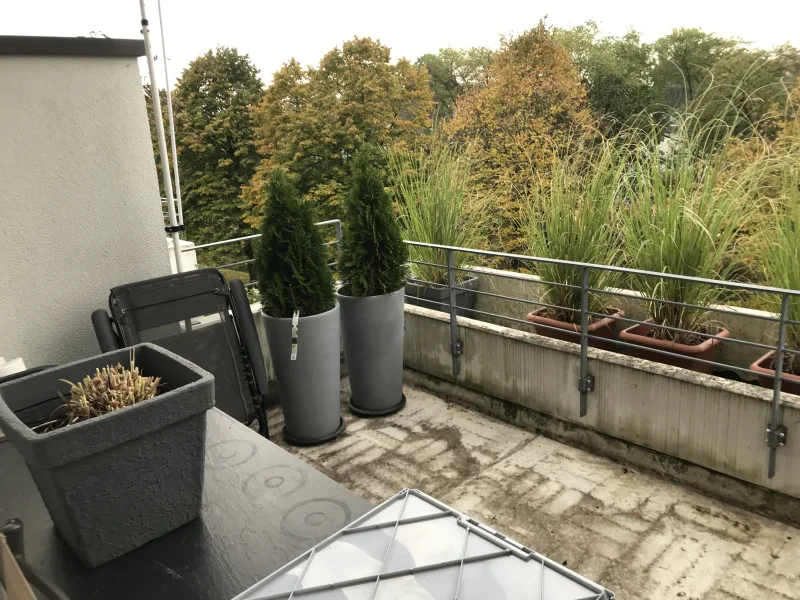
[[216, 149], [616, 71], [292, 264], [532, 108], [373, 252], [750, 87], [311, 121], [684, 59], [452, 72]]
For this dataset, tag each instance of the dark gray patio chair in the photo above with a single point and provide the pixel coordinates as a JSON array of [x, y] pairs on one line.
[[200, 316]]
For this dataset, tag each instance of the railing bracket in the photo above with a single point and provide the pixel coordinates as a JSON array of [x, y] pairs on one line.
[[586, 384], [457, 348], [777, 438]]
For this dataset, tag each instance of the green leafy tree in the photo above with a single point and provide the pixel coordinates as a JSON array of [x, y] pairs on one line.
[[684, 59], [373, 253], [453, 71], [292, 264], [312, 121], [749, 87], [216, 148], [616, 70]]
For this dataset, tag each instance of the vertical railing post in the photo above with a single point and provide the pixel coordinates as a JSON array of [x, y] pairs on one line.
[[586, 383], [456, 348], [776, 434], [338, 225]]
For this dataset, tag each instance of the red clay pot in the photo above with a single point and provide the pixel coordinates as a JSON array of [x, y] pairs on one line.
[[763, 364], [707, 350], [605, 328]]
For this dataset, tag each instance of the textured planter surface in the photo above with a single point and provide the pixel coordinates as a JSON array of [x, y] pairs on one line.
[[115, 482], [434, 297], [707, 350], [372, 331], [767, 379], [308, 387], [570, 332]]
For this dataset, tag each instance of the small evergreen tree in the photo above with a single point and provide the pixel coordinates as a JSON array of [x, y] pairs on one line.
[[374, 256], [293, 274]]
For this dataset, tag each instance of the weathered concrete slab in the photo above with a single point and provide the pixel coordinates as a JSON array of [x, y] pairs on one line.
[[641, 536]]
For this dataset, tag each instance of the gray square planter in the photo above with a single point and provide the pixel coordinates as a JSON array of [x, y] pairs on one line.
[[115, 482]]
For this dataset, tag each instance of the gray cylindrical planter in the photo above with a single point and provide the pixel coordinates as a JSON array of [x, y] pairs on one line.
[[308, 387], [115, 482], [372, 331]]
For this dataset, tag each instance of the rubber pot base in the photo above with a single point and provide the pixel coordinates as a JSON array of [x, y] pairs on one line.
[[290, 439], [376, 413]]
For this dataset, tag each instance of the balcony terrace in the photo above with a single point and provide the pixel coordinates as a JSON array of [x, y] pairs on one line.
[[634, 532]]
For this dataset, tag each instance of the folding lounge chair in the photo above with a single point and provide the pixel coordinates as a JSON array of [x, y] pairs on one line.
[[202, 318]]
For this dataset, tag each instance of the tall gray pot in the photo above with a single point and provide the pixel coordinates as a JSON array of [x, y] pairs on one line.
[[372, 330], [117, 481], [308, 387]]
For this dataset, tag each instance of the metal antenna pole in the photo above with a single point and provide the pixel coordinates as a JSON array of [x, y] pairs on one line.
[[162, 144], [170, 118]]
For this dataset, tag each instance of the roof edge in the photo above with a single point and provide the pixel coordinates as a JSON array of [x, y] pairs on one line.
[[28, 45]]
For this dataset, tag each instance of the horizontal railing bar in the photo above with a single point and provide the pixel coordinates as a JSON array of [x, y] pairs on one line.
[[537, 303], [697, 333], [615, 292], [537, 282], [251, 284], [622, 343], [510, 275], [673, 303], [426, 301], [523, 321], [423, 283], [683, 356], [679, 330], [236, 264], [331, 243], [422, 262], [252, 237], [223, 242], [639, 272]]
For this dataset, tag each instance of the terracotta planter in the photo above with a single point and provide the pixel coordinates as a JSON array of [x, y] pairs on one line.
[[707, 350], [763, 364], [571, 332]]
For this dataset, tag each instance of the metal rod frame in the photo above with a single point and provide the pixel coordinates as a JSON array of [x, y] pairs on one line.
[[776, 432]]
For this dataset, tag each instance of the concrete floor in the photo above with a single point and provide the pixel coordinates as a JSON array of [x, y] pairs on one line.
[[640, 536]]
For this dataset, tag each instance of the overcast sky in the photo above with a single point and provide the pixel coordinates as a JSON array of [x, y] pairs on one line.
[[273, 31]]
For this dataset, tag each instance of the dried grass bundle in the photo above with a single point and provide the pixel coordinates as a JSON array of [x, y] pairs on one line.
[[108, 390]]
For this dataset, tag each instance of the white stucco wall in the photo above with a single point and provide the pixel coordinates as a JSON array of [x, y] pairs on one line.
[[79, 199]]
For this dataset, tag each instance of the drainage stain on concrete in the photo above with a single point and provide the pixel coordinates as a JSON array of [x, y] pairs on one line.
[[641, 536]]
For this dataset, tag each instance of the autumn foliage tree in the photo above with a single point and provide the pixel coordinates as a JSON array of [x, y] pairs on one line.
[[311, 121], [216, 150], [530, 111]]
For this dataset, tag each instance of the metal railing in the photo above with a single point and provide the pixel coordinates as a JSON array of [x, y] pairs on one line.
[[776, 432], [337, 241]]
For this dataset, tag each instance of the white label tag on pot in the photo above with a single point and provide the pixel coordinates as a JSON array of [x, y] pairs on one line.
[[295, 321]]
